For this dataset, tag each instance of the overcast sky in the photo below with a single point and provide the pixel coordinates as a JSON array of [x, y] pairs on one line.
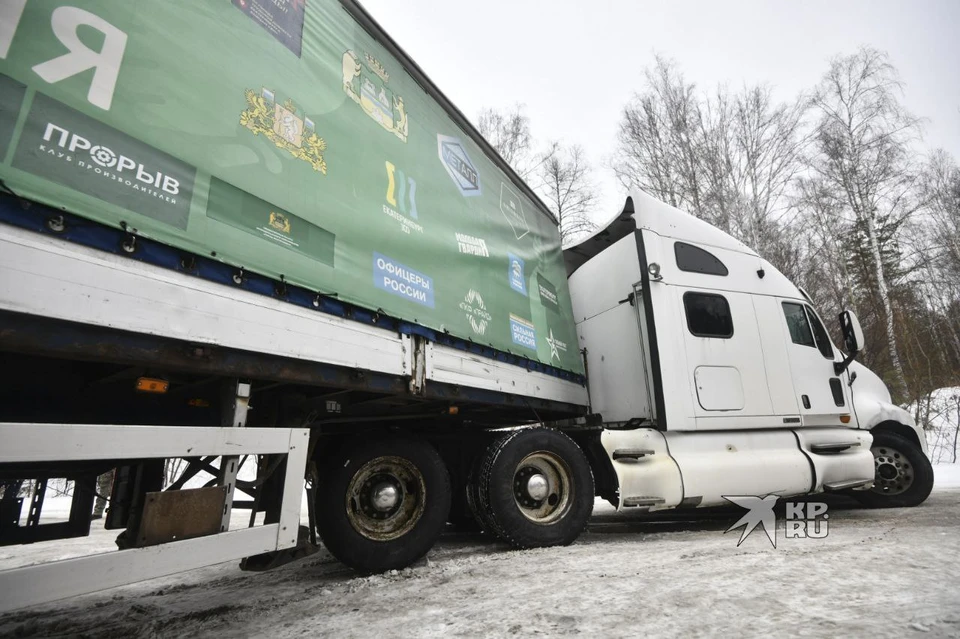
[[575, 63]]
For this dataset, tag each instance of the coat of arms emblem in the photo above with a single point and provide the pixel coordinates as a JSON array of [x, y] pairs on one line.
[[280, 222], [366, 83], [283, 125]]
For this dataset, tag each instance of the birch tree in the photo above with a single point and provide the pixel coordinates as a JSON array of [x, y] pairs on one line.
[[566, 187], [508, 131], [726, 157], [863, 138], [658, 139]]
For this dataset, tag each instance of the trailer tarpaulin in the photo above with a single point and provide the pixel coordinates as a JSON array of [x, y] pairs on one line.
[[284, 137]]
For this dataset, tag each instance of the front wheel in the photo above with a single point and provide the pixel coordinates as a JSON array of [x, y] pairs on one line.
[[382, 502], [904, 476]]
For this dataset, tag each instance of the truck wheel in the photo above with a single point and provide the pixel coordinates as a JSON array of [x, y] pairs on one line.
[[904, 474], [535, 488], [382, 503]]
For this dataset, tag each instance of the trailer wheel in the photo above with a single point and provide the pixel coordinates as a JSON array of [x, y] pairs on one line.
[[904, 476], [535, 488], [383, 502]]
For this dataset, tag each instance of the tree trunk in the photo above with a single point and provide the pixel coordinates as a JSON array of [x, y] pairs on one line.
[[901, 380]]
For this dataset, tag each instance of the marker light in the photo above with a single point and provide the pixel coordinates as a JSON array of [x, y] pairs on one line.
[[152, 385]]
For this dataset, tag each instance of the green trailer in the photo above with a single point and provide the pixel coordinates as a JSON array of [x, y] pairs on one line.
[[292, 139]]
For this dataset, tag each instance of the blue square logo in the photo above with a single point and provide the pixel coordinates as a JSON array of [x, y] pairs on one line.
[[523, 332], [515, 274], [458, 164]]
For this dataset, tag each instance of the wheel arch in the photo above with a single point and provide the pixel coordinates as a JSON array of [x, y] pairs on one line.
[[891, 426]]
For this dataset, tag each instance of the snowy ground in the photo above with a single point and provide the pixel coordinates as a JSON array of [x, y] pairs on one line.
[[879, 573]]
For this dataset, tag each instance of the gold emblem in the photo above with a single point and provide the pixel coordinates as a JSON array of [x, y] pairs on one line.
[[280, 222], [366, 84], [282, 125]]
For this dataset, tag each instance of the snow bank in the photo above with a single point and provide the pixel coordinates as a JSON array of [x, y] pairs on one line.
[[939, 414]]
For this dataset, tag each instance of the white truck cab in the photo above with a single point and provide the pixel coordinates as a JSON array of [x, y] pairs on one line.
[[714, 375]]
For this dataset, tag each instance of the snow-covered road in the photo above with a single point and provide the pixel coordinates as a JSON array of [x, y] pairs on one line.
[[878, 573]]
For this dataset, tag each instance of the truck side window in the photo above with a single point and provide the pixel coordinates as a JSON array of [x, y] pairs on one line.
[[819, 332], [695, 260], [708, 315], [798, 324]]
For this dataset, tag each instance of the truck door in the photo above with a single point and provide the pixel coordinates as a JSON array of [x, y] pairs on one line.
[[822, 396], [724, 359]]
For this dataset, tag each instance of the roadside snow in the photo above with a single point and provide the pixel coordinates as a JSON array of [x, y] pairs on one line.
[[946, 475], [939, 414], [879, 572]]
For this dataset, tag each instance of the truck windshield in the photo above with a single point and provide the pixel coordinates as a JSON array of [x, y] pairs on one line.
[[823, 340]]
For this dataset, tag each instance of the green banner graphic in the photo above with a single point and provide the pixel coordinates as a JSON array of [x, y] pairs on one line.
[[246, 212], [11, 97], [282, 137], [68, 147]]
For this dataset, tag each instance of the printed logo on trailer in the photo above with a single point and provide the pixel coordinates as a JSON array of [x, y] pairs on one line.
[[556, 346], [366, 82], [280, 222], [285, 127], [71, 148], [283, 19], [401, 199], [393, 277], [470, 245], [515, 274], [512, 209], [63, 145], [459, 167], [548, 294], [476, 312], [523, 332]]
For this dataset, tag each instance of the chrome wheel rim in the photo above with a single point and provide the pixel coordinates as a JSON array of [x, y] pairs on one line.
[[542, 487], [894, 472], [386, 498]]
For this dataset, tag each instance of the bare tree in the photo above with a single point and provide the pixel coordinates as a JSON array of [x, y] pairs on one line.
[[941, 191], [863, 138], [727, 158], [767, 148], [827, 277], [565, 184], [659, 137], [937, 241], [508, 131]]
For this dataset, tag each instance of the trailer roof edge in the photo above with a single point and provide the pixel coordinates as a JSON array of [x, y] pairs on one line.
[[355, 9]]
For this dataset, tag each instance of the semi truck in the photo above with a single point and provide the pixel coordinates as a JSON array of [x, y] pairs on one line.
[[255, 230]]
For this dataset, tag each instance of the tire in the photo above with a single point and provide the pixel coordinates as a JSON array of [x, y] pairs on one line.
[[371, 536], [481, 515], [904, 474], [535, 488], [461, 517]]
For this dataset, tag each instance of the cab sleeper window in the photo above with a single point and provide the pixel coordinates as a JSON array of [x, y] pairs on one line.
[[806, 329], [695, 260], [708, 315]]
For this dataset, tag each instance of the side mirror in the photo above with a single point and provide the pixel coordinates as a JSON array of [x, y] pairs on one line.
[[852, 339], [852, 333]]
